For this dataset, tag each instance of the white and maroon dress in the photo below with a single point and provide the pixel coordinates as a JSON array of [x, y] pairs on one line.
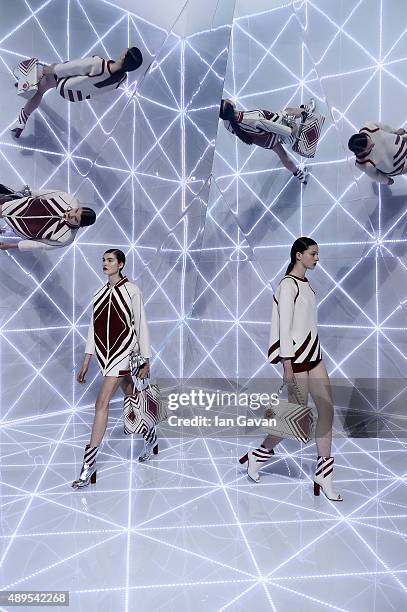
[[85, 78], [118, 326], [41, 220], [294, 332]]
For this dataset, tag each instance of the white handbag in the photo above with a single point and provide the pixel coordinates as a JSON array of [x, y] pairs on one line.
[[28, 74], [290, 420]]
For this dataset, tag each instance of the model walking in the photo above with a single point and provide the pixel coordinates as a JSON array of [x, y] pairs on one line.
[[268, 129], [294, 341], [117, 327], [80, 79]]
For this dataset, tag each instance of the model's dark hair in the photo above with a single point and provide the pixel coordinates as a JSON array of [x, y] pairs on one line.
[[299, 246], [358, 143], [120, 256], [132, 60], [227, 113], [88, 217]]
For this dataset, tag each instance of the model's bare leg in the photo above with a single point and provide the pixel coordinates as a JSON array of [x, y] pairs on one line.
[[126, 384], [47, 82], [320, 390], [263, 453], [288, 163], [109, 386], [285, 158]]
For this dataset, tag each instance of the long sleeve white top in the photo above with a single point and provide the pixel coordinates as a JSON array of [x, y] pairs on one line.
[[294, 332]]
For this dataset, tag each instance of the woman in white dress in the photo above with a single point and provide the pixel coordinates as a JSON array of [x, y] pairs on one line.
[[294, 342], [117, 327]]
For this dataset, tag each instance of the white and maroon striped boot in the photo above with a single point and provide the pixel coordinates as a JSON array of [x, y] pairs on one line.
[[323, 478], [255, 459], [20, 124]]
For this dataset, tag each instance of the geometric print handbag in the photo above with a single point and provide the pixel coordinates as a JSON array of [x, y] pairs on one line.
[[291, 420], [143, 410], [308, 135]]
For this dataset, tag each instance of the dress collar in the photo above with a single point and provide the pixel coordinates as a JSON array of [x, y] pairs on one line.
[[119, 282], [304, 280]]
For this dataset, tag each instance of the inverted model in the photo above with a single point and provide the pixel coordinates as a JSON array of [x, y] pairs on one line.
[[380, 151], [77, 80], [118, 326], [271, 130], [294, 341], [45, 220]]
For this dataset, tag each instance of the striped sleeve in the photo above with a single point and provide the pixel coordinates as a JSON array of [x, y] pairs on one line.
[[286, 300], [33, 245], [90, 342], [140, 324], [373, 172]]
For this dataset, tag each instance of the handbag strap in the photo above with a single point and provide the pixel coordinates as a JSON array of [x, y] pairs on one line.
[[297, 390], [146, 380]]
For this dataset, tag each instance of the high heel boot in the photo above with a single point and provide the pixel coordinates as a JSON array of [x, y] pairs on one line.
[[323, 478], [150, 446], [254, 461], [88, 470]]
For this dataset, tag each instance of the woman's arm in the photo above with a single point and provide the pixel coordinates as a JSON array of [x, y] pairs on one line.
[[141, 324], [89, 350], [286, 300]]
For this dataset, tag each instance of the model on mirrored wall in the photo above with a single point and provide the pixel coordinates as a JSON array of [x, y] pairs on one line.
[[75, 80], [271, 130], [295, 343], [45, 220], [118, 326], [380, 151]]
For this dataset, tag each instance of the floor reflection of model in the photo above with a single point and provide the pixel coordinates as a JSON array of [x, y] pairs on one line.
[[45, 220], [271, 130]]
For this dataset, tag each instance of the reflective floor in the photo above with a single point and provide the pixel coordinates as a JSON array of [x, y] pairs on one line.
[[188, 531]]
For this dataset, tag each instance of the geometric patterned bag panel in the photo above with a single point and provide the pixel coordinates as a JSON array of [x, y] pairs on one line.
[[28, 73], [292, 421], [308, 135], [143, 410]]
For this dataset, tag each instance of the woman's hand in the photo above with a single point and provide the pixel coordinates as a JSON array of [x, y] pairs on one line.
[[144, 371], [82, 372], [81, 375], [288, 374]]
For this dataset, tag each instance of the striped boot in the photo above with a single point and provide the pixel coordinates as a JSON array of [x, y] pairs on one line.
[[323, 478], [20, 124], [88, 471], [301, 174], [255, 459], [150, 445]]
